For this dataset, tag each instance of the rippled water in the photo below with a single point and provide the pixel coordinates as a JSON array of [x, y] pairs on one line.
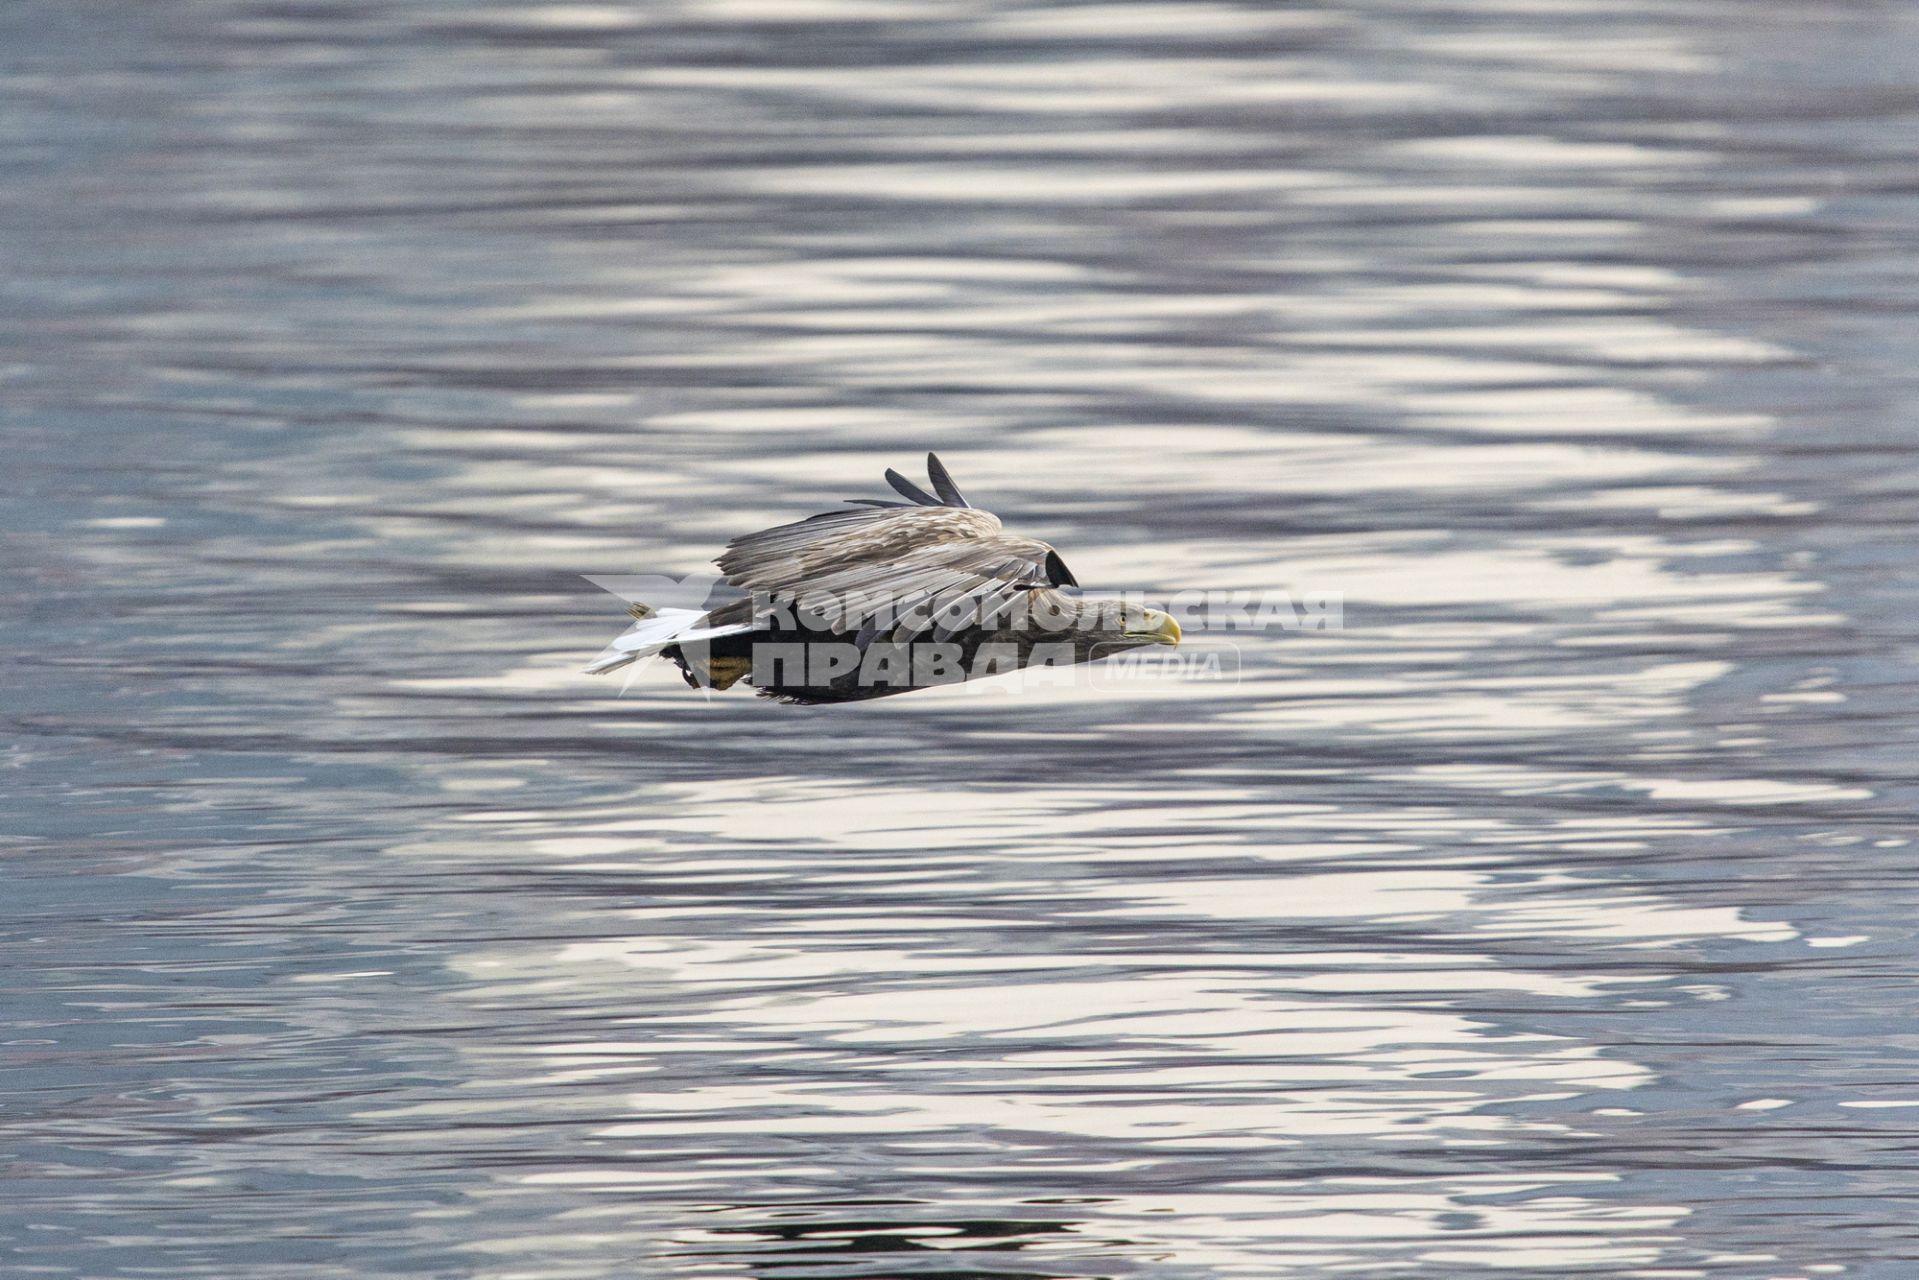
[[1555, 917]]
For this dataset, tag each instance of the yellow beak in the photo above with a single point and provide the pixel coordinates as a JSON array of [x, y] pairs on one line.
[[1159, 628]]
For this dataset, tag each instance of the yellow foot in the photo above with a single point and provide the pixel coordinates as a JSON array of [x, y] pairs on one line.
[[724, 673]]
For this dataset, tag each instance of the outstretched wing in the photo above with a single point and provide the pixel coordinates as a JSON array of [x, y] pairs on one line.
[[935, 566]]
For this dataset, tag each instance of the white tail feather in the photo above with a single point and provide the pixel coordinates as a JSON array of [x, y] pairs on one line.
[[651, 634]]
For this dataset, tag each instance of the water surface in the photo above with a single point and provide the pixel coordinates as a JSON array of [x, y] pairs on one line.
[[1552, 918]]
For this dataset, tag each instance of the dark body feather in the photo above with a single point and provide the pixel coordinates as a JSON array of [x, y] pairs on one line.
[[1074, 631]]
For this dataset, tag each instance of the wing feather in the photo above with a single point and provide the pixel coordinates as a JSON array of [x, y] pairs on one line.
[[908, 489], [879, 563], [943, 483]]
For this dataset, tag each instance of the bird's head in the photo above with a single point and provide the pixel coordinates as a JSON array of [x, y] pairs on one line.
[[1141, 625]]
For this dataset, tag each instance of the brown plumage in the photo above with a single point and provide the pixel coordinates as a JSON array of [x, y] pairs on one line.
[[889, 597]]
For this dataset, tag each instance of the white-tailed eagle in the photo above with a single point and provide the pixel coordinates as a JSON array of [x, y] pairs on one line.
[[885, 598]]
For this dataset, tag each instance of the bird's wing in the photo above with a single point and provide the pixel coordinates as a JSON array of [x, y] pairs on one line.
[[878, 563]]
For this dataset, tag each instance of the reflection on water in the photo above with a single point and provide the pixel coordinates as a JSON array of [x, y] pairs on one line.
[[1553, 917]]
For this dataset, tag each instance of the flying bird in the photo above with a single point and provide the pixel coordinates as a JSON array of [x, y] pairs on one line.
[[884, 598]]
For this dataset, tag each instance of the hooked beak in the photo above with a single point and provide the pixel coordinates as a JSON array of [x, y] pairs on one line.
[[1157, 628]]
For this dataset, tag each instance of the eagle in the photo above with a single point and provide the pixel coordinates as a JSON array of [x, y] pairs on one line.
[[884, 598]]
